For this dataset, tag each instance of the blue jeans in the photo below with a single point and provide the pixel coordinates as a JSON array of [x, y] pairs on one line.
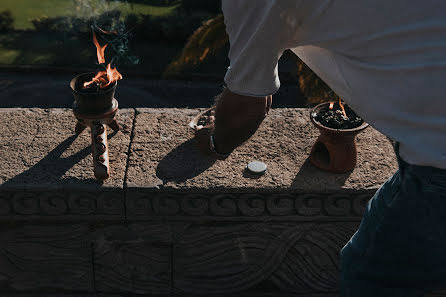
[[399, 249]]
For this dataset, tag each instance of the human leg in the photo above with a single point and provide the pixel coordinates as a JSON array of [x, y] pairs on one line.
[[399, 247]]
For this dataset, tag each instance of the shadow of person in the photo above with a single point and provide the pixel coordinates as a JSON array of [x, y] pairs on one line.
[[310, 177], [52, 167], [183, 162]]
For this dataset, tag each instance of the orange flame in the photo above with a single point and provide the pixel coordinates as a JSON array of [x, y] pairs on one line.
[[98, 78], [331, 105], [342, 108], [112, 75], [103, 78], [100, 50]]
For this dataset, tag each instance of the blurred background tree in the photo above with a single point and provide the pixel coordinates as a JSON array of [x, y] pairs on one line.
[[211, 40], [6, 21], [172, 38]]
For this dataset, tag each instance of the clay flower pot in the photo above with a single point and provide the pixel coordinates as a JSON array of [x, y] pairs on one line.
[[335, 149], [91, 103]]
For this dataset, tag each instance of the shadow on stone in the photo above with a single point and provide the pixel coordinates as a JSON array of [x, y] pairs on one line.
[[246, 174], [311, 177], [52, 167], [182, 163]]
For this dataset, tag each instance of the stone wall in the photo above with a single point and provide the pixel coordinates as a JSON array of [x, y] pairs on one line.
[[170, 221]]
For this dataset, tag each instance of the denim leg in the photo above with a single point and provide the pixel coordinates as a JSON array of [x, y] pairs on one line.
[[359, 276], [399, 249]]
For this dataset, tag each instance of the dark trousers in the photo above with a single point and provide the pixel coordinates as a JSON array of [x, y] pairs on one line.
[[399, 249]]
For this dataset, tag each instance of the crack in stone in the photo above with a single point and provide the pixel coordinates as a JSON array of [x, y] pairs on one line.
[[127, 164]]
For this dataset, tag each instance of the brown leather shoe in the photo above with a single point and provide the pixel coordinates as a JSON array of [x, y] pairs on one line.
[[229, 123]]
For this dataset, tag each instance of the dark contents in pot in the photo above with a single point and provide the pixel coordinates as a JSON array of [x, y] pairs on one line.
[[92, 88], [203, 121], [334, 118]]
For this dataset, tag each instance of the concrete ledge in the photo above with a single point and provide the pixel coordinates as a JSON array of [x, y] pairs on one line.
[[170, 221]]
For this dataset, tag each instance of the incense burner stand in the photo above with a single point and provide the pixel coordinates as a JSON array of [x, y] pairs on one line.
[[98, 124]]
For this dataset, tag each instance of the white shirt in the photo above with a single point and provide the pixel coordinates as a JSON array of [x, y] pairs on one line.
[[385, 58]]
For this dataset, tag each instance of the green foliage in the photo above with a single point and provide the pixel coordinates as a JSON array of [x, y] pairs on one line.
[[164, 23], [55, 24], [6, 21], [26, 10], [154, 2], [205, 42], [211, 37], [211, 6], [34, 48], [176, 27], [312, 86], [108, 27], [76, 25]]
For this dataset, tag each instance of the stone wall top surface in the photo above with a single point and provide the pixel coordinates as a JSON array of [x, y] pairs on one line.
[[163, 153], [38, 150]]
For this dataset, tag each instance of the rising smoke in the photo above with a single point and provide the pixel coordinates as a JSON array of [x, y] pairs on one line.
[[106, 21]]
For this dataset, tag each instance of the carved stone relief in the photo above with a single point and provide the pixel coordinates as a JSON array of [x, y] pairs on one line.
[[61, 204], [292, 257], [42, 257], [293, 206]]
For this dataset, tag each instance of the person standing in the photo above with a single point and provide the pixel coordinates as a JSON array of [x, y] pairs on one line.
[[387, 60]]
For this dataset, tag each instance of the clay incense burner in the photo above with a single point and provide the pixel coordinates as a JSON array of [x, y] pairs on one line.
[[335, 149], [91, 101], [95, 109]]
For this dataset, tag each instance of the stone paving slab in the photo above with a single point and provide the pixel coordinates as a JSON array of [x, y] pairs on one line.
[[39, 150], [163, 154]]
